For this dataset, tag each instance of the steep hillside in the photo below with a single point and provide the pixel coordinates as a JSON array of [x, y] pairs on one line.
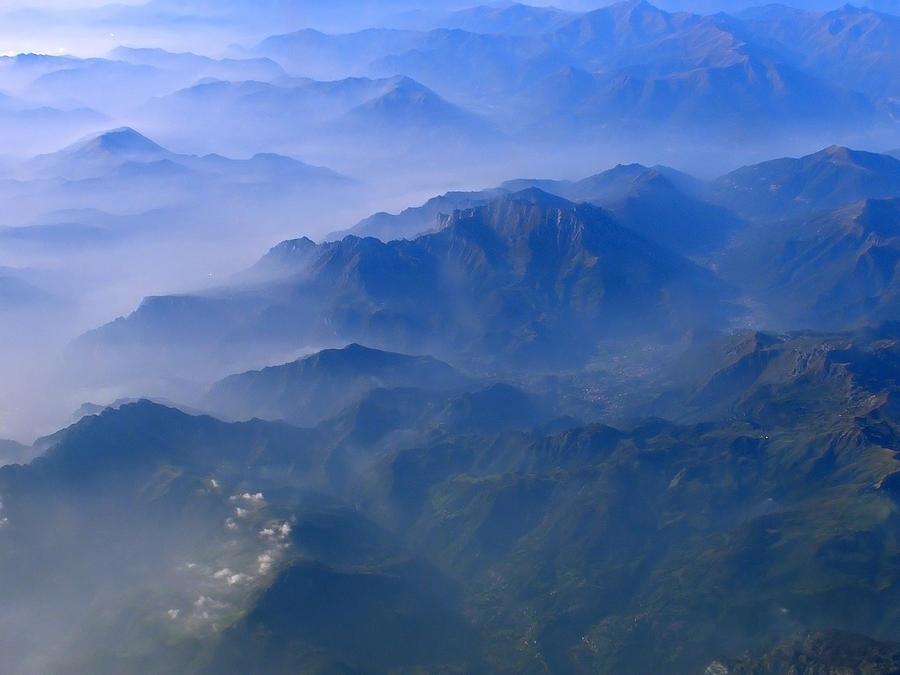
[[833, 269], [832, 177], [317, 387], [529, 278]]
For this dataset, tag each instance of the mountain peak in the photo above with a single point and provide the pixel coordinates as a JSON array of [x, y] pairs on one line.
[[292, 245], [632, 169], [837, 152], [510, 221], [406, 83], [538, 197], [630, 7], [123, 141], [508, 215], [848, 8], [872, 161], [292, 249], [832, 177], [318, 386]]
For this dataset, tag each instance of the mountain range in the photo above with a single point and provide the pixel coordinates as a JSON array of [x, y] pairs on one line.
[[330, 119], [318, 387], [702, 217], [523, 277], [645, 199], [470, 541], [483, 279], [124, 152], [119, 186], [629, 62], [832, 177], [514, 76], [543, 403]]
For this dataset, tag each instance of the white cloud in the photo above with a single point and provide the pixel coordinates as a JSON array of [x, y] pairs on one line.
[[281, 531], [256, 498], [232, 578], [205, 602], [265, 560], [206, 609]]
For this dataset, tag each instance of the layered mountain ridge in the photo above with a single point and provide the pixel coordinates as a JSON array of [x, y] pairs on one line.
[[517, 420], [509, 279]]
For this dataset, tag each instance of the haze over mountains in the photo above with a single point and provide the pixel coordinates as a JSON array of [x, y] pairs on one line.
[[525, 276], [627, 65], [409, 336], [545, 79]]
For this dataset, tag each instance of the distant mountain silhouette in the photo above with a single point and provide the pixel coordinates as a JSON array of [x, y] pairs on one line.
[[199, 66], [514, 19], [824, 180], [18, 292], [14, 453], [407, 107], [126, 153], [414, 221], [659, 203], [528, 277], [848, 45], [124, 143], [319, 386]]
